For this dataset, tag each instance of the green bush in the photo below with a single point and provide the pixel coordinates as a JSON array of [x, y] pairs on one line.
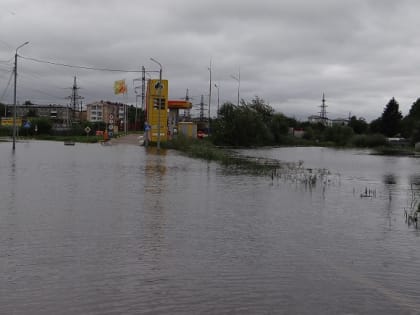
[[5, 131], [365, 141]]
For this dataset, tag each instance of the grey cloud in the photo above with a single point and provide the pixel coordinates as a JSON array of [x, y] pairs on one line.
[[359, 52]]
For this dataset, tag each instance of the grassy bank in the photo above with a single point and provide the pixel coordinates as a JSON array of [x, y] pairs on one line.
[[204, 149], [292, 172]]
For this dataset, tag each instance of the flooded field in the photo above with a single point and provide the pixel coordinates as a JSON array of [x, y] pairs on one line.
[[91, 229]]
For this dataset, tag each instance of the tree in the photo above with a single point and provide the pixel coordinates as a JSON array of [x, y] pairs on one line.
[[223, 129], [359, 125], [410, 123], [250, 128], [244, 125], [375, 126], [391, 119], [340, 135], [415, 135], [2, 109], [43, 125], [415, 110], [279, 126], [265, 111]]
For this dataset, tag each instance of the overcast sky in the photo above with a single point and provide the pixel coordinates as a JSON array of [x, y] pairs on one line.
[[360, 53]]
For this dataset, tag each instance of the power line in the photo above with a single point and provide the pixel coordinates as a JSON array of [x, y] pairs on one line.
[[5, 70], [79, 67], [6, 66], [10, 61]]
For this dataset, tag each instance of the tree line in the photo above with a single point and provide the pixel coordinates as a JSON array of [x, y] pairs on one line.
[[256, 123]]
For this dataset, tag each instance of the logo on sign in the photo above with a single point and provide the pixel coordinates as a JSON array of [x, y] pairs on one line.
[[158, 85]]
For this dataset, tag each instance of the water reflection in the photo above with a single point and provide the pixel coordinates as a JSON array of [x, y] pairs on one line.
[[155, 170], [390, 179], [153, 228], [11, 182], [415, 180]]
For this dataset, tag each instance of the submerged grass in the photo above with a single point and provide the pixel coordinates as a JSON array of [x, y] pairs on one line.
[[204, 149], [196, 148], [291, 172]]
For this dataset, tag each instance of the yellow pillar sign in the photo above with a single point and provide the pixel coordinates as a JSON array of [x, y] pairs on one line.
[[157, 107]]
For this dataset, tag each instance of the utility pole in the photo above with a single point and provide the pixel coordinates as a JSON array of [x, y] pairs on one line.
[[143, 92], [238, 79], [14, 96], [143, 86], [218, 99]]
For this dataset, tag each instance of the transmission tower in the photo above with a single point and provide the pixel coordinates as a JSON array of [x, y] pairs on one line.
[[323, 112], [74, 99]]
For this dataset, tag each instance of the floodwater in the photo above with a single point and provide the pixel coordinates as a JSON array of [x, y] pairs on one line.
[[91, 229]]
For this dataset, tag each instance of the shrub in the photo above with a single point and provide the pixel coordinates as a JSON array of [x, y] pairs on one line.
[[366, 141]]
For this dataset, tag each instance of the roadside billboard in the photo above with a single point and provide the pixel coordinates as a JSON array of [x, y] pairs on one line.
[[8, 121]]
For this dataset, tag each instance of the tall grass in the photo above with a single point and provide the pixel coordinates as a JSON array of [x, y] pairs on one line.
[[202, 149]]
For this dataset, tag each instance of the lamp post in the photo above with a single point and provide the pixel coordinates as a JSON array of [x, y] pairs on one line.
[[14, 96], [238, 78], [217, 87], [160, 101]]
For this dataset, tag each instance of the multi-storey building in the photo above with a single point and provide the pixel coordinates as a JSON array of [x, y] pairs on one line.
[[103, 110]]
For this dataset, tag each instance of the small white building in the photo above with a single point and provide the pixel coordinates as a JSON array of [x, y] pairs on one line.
[[340, 122], [315, 119]]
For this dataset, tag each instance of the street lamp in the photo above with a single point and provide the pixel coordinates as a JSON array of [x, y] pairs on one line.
[[14, 96], [217, 87], [160, 101], [238, 78]]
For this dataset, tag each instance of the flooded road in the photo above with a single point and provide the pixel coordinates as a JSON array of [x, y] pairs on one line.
[[120, 229]]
